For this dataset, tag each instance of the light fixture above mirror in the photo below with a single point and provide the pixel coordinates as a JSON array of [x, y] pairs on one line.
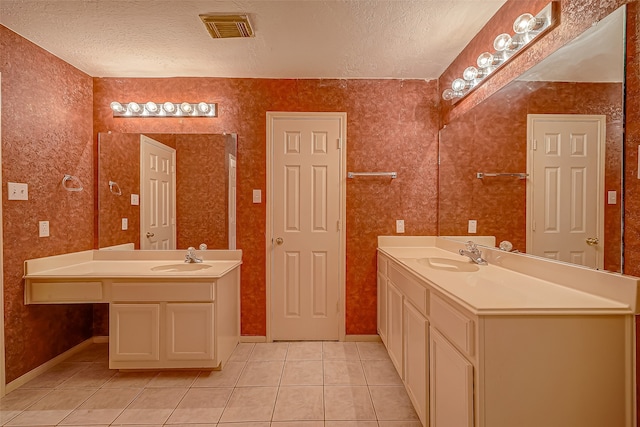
[[163, 109], [527, 28]]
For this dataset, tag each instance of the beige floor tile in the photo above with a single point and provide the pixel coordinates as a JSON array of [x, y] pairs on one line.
[[152, 406], [52, 408], [18, 400], [344, 403], [299, 403], [93, 353], [130, 379], [191, 425], [307, 350], [261, 373], [259, 424], [297, 424], [94, 376], [302, 372], [103, 407], [380, 372], [173, 379], [269, 351], [242, 352], [350, 424], [392, 403], [372, 351], [343, 372], [250, 404], [57, 375], [399, 424], [201, 405], [340, 350], [227, 377]]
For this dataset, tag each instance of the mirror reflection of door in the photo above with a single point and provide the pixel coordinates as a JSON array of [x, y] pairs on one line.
[[566, 184], [157, 195], [232, 201]]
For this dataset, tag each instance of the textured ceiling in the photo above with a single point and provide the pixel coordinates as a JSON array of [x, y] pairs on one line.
[[294, 39]]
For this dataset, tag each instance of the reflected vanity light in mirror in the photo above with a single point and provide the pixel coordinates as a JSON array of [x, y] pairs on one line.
[[163, 109], [526, 27]]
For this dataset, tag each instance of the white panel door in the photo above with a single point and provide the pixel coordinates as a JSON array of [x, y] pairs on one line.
[[306, 253], [565, 198], [157, 195], [232, 201]]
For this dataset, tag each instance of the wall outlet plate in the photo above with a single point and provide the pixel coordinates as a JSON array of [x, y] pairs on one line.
[[400, 226], [257, 196], [473, 226], [125, 223], [43, 228]]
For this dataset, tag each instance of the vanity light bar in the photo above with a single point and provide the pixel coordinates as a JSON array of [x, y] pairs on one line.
[[164, 109], [526, 27]]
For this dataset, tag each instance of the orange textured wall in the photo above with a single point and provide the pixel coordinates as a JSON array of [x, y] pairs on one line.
[[391, 125], [46, 133], [482, 139]]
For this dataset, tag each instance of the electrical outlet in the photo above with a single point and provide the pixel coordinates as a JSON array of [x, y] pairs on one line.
[[400, 226], [125, 223], [473, 226], [43, 228]]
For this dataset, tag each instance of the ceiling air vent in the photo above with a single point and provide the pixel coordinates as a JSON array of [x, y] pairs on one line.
[[227, 26]]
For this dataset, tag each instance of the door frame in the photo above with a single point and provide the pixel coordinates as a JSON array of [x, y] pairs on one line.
[[144, 139], [2, 356], [271, 116], [602, 120]]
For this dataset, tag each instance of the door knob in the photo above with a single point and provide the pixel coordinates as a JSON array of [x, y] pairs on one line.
[[592, 241], [150, 234], [279, 241]]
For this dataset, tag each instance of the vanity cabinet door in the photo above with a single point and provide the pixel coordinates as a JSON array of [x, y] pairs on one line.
[[416, 353], [134, 332], [189, 331], [382, 308], [394, 327], [451, 384]]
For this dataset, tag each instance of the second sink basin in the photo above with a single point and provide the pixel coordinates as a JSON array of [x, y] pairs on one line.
[[447, 264], [180, 267]]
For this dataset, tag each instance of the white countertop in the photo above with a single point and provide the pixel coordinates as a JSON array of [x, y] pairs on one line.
[[132, 265], [493, 289]]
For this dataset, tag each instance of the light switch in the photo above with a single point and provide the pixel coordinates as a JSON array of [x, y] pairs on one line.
[[135, 200], [473, 226], [611, 197], [18, 191], [400, 226], [257, 196]]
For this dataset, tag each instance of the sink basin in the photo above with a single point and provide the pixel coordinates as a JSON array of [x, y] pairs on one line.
[[181, 267], [447, 264]]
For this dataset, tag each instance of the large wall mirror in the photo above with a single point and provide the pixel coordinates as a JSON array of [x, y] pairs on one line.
[[166, 191], [582, 80]]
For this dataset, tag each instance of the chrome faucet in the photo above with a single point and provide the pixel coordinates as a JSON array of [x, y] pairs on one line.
[[191, 256], [473, 253]]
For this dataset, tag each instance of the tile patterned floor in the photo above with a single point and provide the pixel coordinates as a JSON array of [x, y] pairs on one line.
[[297, 384]]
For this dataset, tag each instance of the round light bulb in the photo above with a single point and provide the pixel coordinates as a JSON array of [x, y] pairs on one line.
[[117, 107], [151, 107], [526, 23], [448, 94], [169, 107], [458, 85], [134, 107], [502, 42], [486, 60], [470, 74], [203, 107], [186, 107]]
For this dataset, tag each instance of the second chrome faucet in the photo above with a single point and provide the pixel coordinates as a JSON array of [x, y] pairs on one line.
[[473, 253]]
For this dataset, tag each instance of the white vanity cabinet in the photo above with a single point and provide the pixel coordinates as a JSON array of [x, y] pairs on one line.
[[172, 324], [557, 358]]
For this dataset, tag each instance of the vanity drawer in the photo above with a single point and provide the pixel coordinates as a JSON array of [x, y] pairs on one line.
[[64, 292], [162, 291], [413, 290], [383, 261], [454, 324]]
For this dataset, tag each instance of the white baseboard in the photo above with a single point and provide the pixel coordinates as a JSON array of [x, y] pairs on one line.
[[252, 338], [362, 338], [22, 380]]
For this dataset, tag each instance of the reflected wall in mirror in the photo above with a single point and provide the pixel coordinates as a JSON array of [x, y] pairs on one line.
[[205, 194], [492, 138]]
